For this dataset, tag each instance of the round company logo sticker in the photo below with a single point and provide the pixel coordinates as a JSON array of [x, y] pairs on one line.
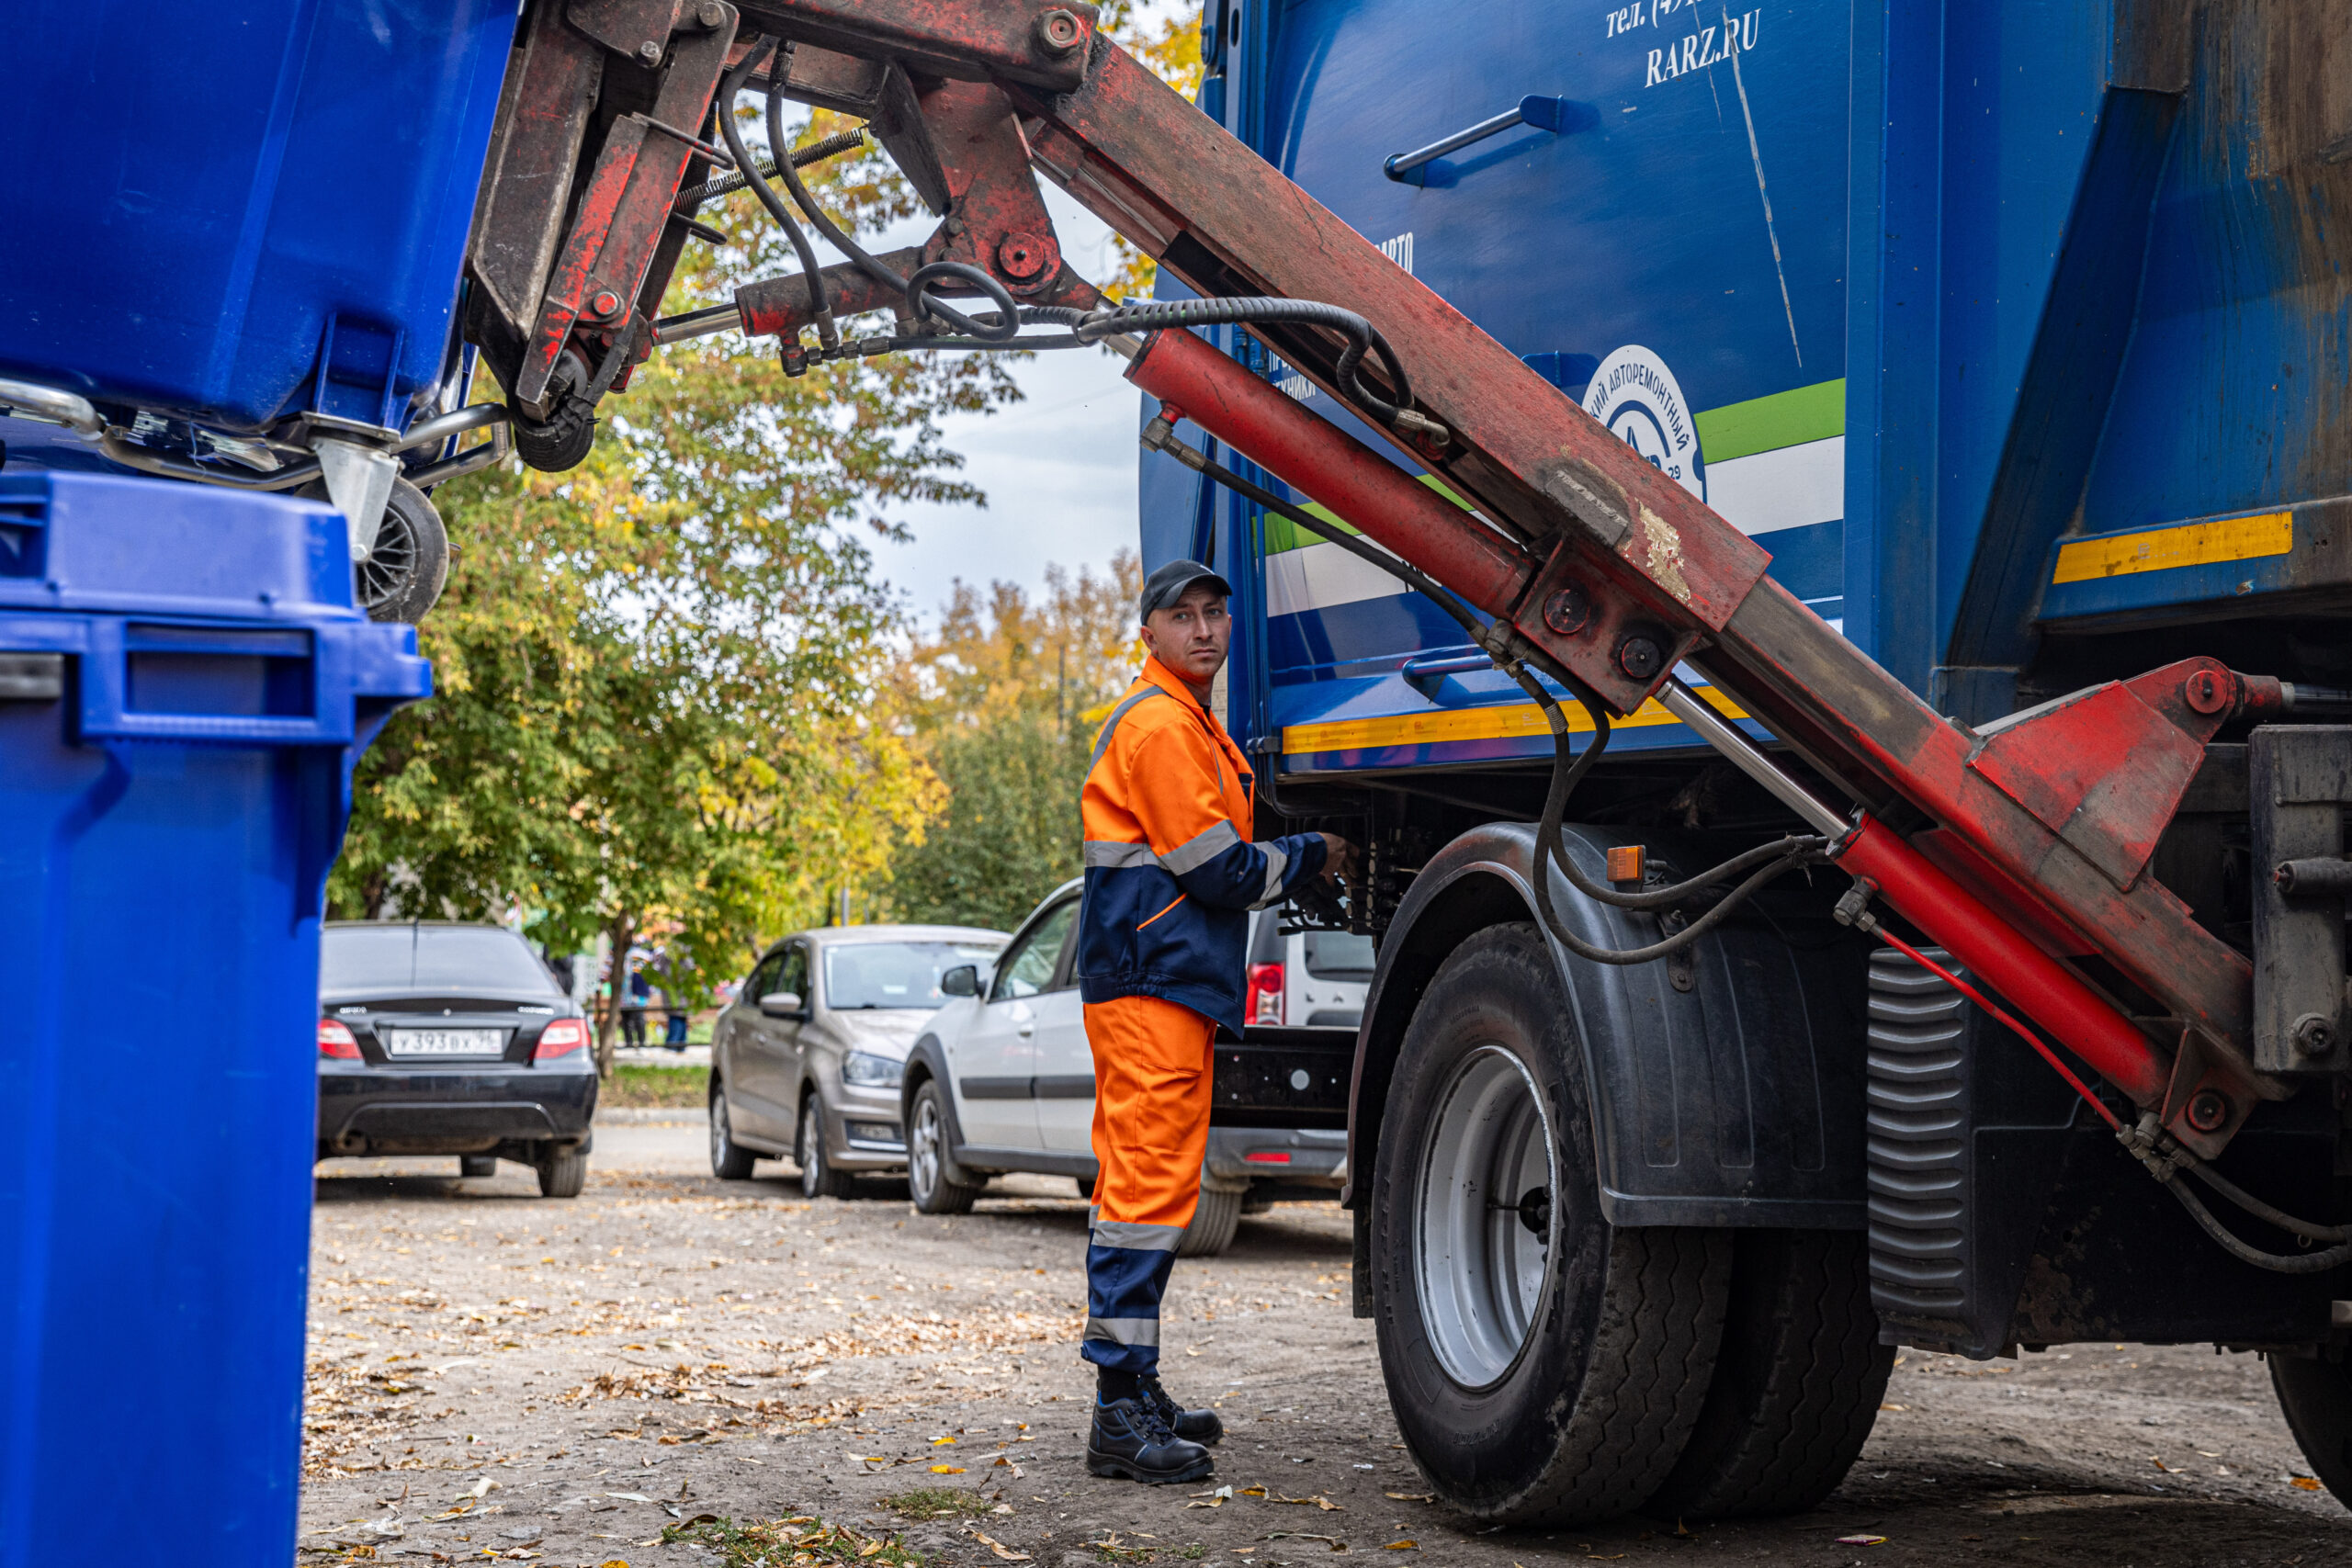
[[1639, 399]]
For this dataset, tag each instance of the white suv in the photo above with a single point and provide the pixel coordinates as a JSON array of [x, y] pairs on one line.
[[1001, 1079], [1307, 979]]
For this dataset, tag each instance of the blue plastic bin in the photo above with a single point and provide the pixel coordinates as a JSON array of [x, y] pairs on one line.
[[175, 760], [239, 209]]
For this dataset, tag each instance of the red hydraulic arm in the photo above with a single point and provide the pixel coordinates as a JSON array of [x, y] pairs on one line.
[[2020, 847]]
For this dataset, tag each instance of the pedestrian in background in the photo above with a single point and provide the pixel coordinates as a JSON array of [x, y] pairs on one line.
[[640, 995], [1170, 876]]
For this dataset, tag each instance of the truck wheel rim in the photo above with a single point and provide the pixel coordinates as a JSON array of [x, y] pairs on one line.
[[926, 1147], [1484, 1223]]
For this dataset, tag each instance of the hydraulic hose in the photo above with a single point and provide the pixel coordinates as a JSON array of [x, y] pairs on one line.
[[2318, 1262], [829, 334], [1364, 338]]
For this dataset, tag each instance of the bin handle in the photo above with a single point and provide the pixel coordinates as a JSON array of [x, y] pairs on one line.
[[1561, 116], [107, 715]]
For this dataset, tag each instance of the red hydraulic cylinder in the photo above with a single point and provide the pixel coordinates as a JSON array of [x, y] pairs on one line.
[[1327, 466], [2035, 983]]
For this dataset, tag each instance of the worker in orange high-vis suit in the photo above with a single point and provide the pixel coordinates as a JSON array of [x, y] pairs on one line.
[[1170, 876]]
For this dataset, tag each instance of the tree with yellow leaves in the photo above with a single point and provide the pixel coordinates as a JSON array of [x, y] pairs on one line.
[[1003, 699]]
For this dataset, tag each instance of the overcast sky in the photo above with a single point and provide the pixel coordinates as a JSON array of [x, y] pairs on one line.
[[1058, 468]]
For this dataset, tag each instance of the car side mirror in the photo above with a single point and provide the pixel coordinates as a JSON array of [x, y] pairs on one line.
[[782, 1004], [964, 980]]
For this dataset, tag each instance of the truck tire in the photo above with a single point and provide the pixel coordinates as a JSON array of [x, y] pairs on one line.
[[1545, 1366], [931, 1170], [1798, 1380], [2315, 1395], [1213, 1221]]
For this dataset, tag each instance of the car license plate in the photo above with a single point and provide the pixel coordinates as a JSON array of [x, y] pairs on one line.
[[445, 1042]]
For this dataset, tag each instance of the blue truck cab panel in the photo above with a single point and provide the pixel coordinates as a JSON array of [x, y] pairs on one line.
[[2008, 330]]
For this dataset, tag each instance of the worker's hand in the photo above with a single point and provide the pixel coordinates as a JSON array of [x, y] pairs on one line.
[[1339, 858]]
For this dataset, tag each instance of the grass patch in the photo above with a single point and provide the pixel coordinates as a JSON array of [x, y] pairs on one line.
[[938, 1503], [802, 1538], [637, 1084]]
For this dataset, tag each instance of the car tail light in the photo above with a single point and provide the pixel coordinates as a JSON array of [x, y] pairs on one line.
[[337, 1040], [1268, 1157], [1265, 1003], [561, 1037]]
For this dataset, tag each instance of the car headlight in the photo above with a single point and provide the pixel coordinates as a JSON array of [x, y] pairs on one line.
[[871, 1071]]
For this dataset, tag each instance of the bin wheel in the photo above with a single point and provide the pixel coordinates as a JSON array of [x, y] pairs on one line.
[[562, 1172], [1214, 1222], [2315, 1395], [931, 1170], [477, 1165], [403, 575], [730, 1161], [818, 1176], [1543, 1366], [1797, 1384]]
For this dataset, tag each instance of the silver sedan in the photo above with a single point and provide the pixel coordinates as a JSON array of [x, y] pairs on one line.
[[806, 1062]]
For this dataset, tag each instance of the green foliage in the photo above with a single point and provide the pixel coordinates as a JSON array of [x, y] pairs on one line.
[[1004, 700], [651, 1087], [1011, 832], [938, 1503]]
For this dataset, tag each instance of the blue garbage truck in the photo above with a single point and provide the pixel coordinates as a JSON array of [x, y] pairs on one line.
[[2017, 335]]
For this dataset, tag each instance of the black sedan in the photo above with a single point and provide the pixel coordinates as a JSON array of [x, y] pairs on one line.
[[446, 1039]]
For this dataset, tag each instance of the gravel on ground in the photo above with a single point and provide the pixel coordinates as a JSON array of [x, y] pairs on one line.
[[638, 1375]]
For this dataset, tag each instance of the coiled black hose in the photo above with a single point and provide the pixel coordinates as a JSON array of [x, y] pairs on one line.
[[828, 334], [2318, 1262], [1364, 338]]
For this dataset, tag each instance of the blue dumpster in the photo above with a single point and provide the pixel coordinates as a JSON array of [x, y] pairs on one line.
[[184, 687], [240, 210]]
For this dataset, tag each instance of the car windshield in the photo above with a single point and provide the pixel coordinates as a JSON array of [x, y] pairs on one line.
[[456, 959], [896, 973]]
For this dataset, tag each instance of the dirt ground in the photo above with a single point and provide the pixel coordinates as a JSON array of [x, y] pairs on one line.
[[492, 1373]]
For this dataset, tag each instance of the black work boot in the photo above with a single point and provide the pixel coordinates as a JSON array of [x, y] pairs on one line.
[[1193, 1426], [1130, 1439]]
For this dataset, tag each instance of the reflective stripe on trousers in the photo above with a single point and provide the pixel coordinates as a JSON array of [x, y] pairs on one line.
[[1153, 1071]]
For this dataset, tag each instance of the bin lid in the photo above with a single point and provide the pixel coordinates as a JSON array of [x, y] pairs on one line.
[[198, 615], [115, 544]]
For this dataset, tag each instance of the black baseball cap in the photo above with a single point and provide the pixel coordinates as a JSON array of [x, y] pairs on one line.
[[1168, 584]]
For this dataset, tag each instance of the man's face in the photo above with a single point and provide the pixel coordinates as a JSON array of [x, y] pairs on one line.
[[1191, 636]]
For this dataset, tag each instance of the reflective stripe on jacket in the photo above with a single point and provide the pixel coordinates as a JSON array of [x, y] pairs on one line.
[[1170, 873]]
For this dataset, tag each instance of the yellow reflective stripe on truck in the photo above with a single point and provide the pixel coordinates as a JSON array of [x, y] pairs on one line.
[[1506, 722], [2191, 544]]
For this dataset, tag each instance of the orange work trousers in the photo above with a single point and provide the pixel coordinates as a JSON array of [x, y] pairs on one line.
[[1152, 1074], [1153, 1071]]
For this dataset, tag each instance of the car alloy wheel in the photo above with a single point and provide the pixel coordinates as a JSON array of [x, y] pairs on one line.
[[730, 1161], [818, 1176]]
